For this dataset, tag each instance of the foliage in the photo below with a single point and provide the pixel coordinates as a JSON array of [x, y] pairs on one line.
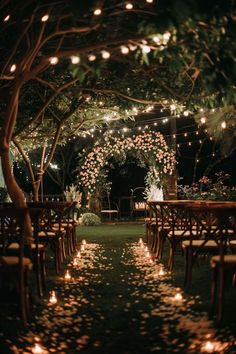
[[73, 194], [3, 194], [90, 219], [150, 148], [153, 185], [205, 188]]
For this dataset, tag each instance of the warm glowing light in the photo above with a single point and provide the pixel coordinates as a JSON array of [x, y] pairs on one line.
[[124, 49], [125, 129], [97, 12], [67, 275], [13, 68], [186, 113], [84, 242], [149, 1], [208, 347], [45, 18], [92, 57], [146, 49], [53, 299], [178, 297], [173, 107], [223, 125], [203, 120], [75, 262], [37, 349], [140, 241], [129, 6], [82, 248], [53, 60], [147, 254], [7, 18], [75, 59], [150, 261], [161, 271], [105, 54], [146, 248]]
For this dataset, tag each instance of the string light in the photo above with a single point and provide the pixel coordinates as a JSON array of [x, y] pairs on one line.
[[13, 68], [149, 1], [45, 18], [146, 49], [75, 59], [7, 18], [124, 49], [203, 120], [97, 12], [129, 6], [92, 57], [105, 54], [223, 125], [53, 60]]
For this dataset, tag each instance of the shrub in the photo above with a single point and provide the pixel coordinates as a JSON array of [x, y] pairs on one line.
[[90, 219]]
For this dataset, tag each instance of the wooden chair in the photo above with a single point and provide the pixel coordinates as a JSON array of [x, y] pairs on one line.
[[18, 266], [109, 208]]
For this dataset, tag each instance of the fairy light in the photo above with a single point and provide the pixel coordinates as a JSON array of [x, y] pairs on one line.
[[185, 134], [203, 120], [173, 107], [178, 297], [161, 271], [75, 59], [149, 1], [124, 49], [97, 12], [54, 60], [208, 347], [223, 125], [13, 68], [53, 299], [105, 54], [75, 262], [84, 242], [186, 113], [132, 47], [7, 18], [92, 57], [45, 18], [78, 255], [82, 248], [129, 6], [125, 129]]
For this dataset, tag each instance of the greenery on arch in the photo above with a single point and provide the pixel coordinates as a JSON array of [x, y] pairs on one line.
[[149, 148]]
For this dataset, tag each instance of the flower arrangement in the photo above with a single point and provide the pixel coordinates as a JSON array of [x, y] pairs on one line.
[[90, 219], [205, 188], [149, 147], [73, 194]]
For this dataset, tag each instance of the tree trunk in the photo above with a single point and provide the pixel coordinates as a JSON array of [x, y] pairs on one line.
[[16, 194]]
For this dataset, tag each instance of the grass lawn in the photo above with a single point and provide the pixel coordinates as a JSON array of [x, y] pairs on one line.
[[116, 304]]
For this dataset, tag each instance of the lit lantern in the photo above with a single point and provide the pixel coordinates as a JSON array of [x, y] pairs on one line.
[[75, 59], [67, 275], [53, 299]]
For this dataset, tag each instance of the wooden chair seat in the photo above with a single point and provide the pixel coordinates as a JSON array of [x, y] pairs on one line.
[[12, 261]]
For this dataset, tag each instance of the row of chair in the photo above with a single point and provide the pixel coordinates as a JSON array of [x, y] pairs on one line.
[[26, 235], [195, 228]]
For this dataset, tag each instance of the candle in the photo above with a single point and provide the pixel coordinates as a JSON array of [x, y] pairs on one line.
[[67, 275], [150, 261], [146, 248], [53, 299], [84, 242], [208, 347], [82, 248], [140, 241], [75, 263], [178, 297], [161, 271], [147, 254], [37, 349], [78, 254]]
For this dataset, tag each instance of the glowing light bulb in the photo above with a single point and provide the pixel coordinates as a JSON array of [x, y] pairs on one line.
[[45, 18], [105, 54], [124, 49], [186, 113], [13, 68], [146, 248], [92, 57], [97, 12], [129, 6], [203, 120], [178, 297], [37, 349], [53, 299], [75, 59], [173, 107], [67, 275], [125, 129], [150, 261], [223, 125], [7, 18], [54, 60]]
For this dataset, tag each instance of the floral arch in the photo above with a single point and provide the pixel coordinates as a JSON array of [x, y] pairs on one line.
[[150, 149]]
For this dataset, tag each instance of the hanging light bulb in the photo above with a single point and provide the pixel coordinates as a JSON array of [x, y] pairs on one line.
[[129, 6], [54, 60], [92, 57], [149, 1], [97, 12], [178, 297], [75, 59], [13, 68], [75, 262], [223, 125], [45, 18], [124, 49], [7, 18], [105, 54], [146, 49], [203, 120], [37, 349], [208, 347]]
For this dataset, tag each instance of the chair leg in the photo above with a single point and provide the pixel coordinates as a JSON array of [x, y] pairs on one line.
[[213, 290]]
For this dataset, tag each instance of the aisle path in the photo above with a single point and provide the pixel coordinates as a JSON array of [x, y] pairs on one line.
[[117, 303]]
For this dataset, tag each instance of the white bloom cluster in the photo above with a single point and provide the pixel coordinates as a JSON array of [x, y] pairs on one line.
[[73, 194]]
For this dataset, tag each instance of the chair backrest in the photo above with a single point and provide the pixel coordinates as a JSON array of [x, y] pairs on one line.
[[137, 201], [107, 203]]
